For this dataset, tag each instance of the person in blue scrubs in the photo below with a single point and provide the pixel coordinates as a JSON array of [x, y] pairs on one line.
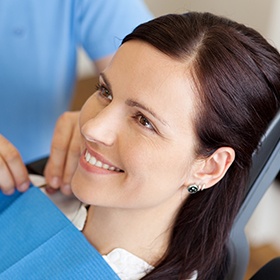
[[38, 57]]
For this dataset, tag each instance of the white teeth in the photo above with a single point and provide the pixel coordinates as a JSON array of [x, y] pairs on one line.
[[88, 157], [93, 161], [106, 166], [98, 164]]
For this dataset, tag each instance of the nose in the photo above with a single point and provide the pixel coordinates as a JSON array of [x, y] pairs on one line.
[[102, 128]]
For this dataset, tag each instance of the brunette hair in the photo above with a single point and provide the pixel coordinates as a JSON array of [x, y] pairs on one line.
[[237, 78]]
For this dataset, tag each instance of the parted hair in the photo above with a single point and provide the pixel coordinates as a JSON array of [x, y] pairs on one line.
[[236, 73]]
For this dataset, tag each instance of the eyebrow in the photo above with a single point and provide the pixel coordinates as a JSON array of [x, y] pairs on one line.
[[133, 103]]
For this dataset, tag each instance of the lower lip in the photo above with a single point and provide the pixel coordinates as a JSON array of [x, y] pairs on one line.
[[94, 169]]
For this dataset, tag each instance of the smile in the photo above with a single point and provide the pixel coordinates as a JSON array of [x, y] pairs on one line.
[[93, 161]]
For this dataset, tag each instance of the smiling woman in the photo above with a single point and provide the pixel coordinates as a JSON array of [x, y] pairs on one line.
[[165, 122]]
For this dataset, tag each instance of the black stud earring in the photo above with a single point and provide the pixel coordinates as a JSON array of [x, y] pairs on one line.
[[193, 189]]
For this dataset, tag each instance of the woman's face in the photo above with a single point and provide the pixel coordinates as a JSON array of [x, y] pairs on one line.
[[138, 132]]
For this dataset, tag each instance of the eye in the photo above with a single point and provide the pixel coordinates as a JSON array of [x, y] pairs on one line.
[[143, 121], [104, 92]]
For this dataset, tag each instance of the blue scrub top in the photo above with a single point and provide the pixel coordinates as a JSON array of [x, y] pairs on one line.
[[38, 55]]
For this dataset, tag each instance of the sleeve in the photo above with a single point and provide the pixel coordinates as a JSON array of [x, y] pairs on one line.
[[102, 24]]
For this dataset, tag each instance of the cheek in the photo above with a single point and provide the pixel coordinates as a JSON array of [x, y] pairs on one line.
[[161, 165]]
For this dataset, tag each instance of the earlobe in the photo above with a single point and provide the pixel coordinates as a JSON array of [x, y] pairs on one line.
[[213, 168]]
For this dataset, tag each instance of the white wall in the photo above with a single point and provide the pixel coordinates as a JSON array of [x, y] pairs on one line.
[[263, 15]]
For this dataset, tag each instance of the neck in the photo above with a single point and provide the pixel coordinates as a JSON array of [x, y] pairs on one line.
[[144, 233]]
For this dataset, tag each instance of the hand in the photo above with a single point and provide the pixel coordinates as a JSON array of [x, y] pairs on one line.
[[65, 152], [13, 173]]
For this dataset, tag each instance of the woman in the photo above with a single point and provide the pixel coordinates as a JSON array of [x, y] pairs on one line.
[[168, 139]]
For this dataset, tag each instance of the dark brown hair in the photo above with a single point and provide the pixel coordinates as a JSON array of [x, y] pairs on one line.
[[237, 79]]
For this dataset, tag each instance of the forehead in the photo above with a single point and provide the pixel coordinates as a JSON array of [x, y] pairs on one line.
[[145, 67], [136, 57]]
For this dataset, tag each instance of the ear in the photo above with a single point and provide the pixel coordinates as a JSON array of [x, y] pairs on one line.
[[211, 170]]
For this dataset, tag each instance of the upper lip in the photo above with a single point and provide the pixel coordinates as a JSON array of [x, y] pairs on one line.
[[100, 157]]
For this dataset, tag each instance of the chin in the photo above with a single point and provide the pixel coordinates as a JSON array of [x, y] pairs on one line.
[[83, 191], [82, 195]]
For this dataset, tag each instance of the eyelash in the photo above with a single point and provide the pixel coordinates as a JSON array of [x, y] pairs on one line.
[[104, 92], [139, 115]]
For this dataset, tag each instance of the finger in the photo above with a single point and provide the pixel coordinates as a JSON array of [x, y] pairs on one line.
[[50, 190], [71, 161], [7, 184], [13, 171], [60, 145]]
